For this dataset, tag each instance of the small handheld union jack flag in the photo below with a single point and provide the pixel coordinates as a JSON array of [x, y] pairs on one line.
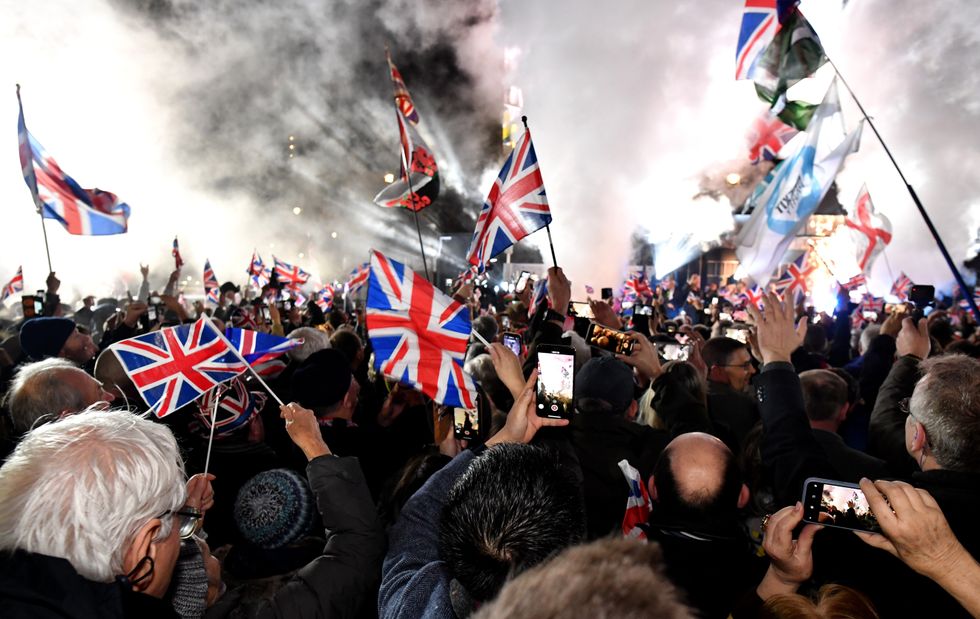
[[172, 367], [516, 207], [291, 277], [418, 333], [901, 286], [210, 283], [324, 298], [358, 277], [856, 282], [258, 274], [175, 252], [638, 504], [15, 285], [794, 278], [261, 350]]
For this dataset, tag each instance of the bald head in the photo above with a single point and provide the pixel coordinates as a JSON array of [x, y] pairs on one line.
[[113, 377], [47, 390], [697, 481]]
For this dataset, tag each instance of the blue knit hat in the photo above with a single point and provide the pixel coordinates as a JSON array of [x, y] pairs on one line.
[[44, 337], [274, 509]]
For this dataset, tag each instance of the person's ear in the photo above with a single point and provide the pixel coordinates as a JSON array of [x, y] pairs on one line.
[[743, 496], [652, 489], [633, 410], [919, 439], [842, 414], [141, 547]]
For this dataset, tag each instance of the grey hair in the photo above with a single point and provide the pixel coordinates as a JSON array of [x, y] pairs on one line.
[[38, 393], [870, 332], [946, 401], [81, 488], [313, 340]]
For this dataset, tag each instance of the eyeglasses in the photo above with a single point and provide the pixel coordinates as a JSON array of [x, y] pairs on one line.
[[744, 366], [188, 521]]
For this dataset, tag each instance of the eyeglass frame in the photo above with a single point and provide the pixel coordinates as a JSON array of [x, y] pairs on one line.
[[190, 520]]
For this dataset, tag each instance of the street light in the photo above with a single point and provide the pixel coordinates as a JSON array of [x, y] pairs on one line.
[[734, 178], [297, 210], [389, 178]]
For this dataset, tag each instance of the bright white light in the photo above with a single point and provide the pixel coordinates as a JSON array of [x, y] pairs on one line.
[[300, 255], [333, 235], [492, 260], [297, 210], [449, 281], [389, 178], [496, 289], [734, 178]]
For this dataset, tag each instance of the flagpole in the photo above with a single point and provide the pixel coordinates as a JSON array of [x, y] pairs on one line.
[[915, 198], [418, 227], [37, 200], [234, 349], [214, 416], [547, 226]]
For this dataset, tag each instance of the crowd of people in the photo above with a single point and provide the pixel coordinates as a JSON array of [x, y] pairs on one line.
[[361, 497]]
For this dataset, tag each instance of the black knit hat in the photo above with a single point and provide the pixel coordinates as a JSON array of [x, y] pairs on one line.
[[44, 337]]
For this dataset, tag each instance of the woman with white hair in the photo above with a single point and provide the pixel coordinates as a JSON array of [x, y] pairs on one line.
[[93, 508]]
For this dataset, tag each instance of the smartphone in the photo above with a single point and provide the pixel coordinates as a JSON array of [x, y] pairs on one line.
[[870, 315], [607, 294], [522, 281], [28, 302], [609, 339], [581, 309], [674, 352], [725, 316], [151, 313], [714, 300], [466, 423], [154, 300], [556, 381], [837, 504], [740, 316], [512, 341], [921, 297], [741, 335], [266, 314], [644, 310], [895, 308]]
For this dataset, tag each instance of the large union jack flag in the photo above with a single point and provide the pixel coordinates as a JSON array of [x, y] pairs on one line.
[[57, 195], [258, 274], [759, 24], [172, 367], [418, 333], [15, 285], [210, 283], [795, 278], [516, 207]]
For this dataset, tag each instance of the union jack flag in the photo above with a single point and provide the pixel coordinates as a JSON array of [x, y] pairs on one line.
[[901, 286], [418, 183], [15, 285], [793, 280], [869, 303], [767, 136], [210, 283], [856, 282], [964, 303], [175, 252], [637, 287], [516, 207], [291, 277], [172, 367], [261, 350], [259, 274], [540, 296], [324, 298], [57, 196], [638, 504], [418, 333], [469, 275], [358, 277], [236, 407], [759, 24], [753, 296]]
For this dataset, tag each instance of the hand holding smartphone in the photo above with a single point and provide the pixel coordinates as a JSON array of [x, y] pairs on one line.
[[513, 341], [556, 381], [837, 504], [605, 338]]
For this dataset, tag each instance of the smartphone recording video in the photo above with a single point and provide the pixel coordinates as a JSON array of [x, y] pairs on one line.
[[742, 335], [522, 281], [466, 423], [513, 342], [837, 504], [607, 294], [644, 310], [581, 309], [674, 352], [556, 381], [609, 339]]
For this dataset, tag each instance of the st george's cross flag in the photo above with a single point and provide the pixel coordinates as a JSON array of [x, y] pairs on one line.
[[418, 333], [210, 283], [172, 367], [516, 207], [15, 285], [870, 231], [57, 196], [417, 186]]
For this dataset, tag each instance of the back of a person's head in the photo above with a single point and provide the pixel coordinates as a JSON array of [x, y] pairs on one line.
[[832, 602], [337, 318], [853, 386], [611, 577], [512, 509], [38, 393], [824, 394], [946, 401], [870, 332], [80, 487], [942, 331], [313, 340], [688, 377], [481, 368], [815, 340], [486, 326], [719, 350], [698, 484], [347, 342]]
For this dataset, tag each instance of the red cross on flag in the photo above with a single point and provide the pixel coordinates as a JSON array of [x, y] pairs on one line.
[[870, 231]]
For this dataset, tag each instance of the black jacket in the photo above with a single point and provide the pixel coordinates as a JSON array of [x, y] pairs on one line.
[[340, 581], [849, 463], [38, 586], [733, 413]]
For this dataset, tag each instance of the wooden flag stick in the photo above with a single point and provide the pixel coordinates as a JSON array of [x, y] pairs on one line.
[[242, 359], [33, 186], [547, 227], [214, 418]]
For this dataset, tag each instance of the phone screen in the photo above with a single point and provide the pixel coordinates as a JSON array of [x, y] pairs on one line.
[[151, 313], [837, 504], [674, 352], [644, 310], [738, 334], [466, 423], [607, 293], [556, 381], [522, 281], [266, 314], [581, 309], [609, 339], [513, 342]]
